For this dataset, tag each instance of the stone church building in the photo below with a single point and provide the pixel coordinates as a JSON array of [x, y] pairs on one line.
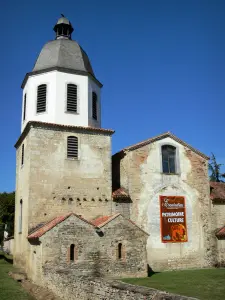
[[79, 207]]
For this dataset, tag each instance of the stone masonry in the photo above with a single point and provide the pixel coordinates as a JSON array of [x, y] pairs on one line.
[[139, 172], [49, 184]]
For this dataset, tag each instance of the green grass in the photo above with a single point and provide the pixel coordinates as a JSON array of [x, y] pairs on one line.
[[9, 288], [205, 284]]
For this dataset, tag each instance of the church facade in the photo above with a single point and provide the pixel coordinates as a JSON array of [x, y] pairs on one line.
[[78, 207]]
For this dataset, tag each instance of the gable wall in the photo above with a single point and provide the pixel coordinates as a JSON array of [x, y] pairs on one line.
[[141, 174], [95, 255]]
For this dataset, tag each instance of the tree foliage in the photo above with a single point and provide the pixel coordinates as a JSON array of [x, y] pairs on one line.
[[215, 170], [7, 212]]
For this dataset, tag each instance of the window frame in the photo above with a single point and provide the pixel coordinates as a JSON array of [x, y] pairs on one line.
[[78, 99], [22, 155], [78, 148], [46, 100], [21, 216], [176, 161], [92, 105], [24, 106]]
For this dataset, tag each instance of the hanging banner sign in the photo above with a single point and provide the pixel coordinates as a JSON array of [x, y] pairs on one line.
[[173, 219]]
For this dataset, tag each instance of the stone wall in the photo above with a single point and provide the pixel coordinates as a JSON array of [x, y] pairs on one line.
[[95, 254], [218, 221], [57, 184], [140, 173], [71, 288]]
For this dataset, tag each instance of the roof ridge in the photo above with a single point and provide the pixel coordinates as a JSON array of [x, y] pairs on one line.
[[158, 137]]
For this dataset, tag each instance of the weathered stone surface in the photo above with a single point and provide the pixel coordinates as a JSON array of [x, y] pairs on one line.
[[140, 173], [83, 288], [18, 276]]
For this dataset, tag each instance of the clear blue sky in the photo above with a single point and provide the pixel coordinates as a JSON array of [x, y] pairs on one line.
[[162, 64]]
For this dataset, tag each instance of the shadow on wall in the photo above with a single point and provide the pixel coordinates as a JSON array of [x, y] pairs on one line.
[[151, 272], [8, 259]]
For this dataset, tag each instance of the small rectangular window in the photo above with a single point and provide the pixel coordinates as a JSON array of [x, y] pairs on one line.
[[71, 98], [24, 107], [41, 98], [22, 155], [94, 105], [21, 216], [72, 147]]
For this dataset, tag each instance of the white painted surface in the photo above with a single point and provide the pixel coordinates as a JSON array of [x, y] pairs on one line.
[[56, 100]]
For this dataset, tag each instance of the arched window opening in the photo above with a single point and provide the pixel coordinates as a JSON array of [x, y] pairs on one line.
[[24, 107], [22, 155], [72, 252], [94, 105], [120, 246], [72, 147], [20, 216], [169, 159], [71, 98], [41, 98]]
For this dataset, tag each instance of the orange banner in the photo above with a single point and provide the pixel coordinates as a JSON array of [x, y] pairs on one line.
[[173, 219]]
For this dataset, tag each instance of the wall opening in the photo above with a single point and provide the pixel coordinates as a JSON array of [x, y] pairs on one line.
[[120, 246], [72, 252]]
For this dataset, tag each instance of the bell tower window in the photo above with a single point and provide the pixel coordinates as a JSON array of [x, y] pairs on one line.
[[94, 105], [24, 107], [72, 147], [41, 98], [71, 98]]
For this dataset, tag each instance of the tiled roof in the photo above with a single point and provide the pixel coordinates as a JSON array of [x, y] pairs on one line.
[[217, 190], [49, 225], [160, 137], [59, 126], [102, 221], [120, 193], [221, 232]]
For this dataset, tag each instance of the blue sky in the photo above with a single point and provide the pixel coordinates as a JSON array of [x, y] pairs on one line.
[[162, 64]]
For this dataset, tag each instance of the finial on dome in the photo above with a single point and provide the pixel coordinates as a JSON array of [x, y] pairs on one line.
[[63, 28]]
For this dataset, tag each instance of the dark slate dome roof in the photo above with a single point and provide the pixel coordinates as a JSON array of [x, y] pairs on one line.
[[64, 53]]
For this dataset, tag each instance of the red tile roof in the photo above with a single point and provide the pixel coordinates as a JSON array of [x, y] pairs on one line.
[[102, 221], [120, 193], [160, 137], [49, 225], [221, 232], [217, 190]]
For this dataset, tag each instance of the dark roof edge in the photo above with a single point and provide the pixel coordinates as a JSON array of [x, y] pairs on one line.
[[52, 125], [159, 137], [61, 69]]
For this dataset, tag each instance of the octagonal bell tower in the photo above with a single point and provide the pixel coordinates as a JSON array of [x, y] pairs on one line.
[[62, 87], [63, 156]]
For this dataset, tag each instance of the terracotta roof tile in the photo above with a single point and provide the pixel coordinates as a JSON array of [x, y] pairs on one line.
[[102, 221], [120, 193], [217, 190], [160, 137], [49, 225], [59, 126], [221, 232], [97, 222]]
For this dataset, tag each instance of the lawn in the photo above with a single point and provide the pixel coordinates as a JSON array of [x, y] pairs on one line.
[[205, 284], [9, 288]]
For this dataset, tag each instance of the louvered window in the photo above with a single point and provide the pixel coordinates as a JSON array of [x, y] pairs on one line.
[[41, 98], [22, 155], [94, 105], [71, 98], [24, 106], [72, 147]]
